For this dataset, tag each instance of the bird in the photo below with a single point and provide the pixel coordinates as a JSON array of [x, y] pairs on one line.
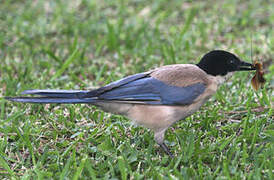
[[155, 99]]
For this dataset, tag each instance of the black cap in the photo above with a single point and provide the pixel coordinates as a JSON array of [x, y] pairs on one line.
[[219, 62]]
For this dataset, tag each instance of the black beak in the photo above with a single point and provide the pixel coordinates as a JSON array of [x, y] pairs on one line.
[[245, 66]]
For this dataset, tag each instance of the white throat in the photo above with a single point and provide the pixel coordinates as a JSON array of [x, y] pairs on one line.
[[221, 79]]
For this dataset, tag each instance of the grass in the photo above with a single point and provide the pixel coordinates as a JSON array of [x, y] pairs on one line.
[[85, 44]]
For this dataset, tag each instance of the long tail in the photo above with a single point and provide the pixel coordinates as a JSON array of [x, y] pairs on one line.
[[54, 96]]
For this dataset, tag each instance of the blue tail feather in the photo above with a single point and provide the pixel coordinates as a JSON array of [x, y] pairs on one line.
[[56, 93], [52, 100]]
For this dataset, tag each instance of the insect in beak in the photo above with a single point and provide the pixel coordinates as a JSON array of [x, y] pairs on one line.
[[258, 80]]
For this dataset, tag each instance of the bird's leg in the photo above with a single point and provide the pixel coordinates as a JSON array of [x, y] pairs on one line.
[[166, 149], [159, 138]]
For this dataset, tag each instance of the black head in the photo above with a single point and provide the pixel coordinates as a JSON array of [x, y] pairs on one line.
[[219, 62]]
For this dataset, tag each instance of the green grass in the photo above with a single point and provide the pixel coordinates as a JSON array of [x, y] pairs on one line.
[[84, 44]]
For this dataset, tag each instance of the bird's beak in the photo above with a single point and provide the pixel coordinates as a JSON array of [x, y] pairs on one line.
[[245, 66]]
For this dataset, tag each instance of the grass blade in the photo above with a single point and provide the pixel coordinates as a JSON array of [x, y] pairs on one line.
[[5, 165], [80, 168], [70, 59], [66, 169], [122, 167]]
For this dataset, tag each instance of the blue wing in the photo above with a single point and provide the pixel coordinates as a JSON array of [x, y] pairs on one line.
[[116, 84], [142, 88]]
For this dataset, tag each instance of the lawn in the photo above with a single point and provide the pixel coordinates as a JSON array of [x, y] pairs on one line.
[[84, 44]]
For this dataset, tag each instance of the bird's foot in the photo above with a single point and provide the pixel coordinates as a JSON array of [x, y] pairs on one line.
[[166, 149]]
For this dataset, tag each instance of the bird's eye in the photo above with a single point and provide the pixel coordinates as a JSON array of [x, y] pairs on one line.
[[231, 61]]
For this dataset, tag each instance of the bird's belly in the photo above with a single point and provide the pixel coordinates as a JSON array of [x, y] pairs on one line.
[[114, 107], [155, 117], [160, 117]]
